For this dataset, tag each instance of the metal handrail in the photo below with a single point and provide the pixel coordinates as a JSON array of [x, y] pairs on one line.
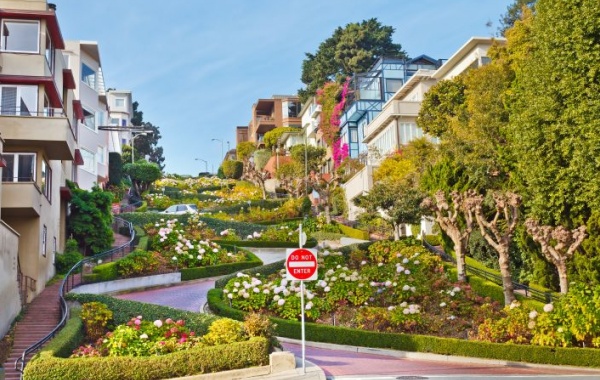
[[64, 288], [535, 294]]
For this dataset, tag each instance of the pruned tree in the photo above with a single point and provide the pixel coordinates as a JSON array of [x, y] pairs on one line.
[[324, 186], [291, 178], [558, 245], [497, 228], [142, 174], [397, 202], [456, 221]]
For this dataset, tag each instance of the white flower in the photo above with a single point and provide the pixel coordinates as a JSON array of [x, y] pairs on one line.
[[276, 298], [514, 304], [327, 289], [407, 272], [456, 289], [405, 261], [417, 262], [246, 295], [533, 314], [230, 296], [403, 304], [391, 308], [99, 261], [531, 324], [199, 257], [388, 283], [363, 262], [443, 304], [144, 336], [548, 307], [406, 311], [308, 306], [215, 250], [452, 317], [256, 290], [158, 323], [281, 302], [174, 258], [406, 288], [451, 294], [380, 264], [560, 330]]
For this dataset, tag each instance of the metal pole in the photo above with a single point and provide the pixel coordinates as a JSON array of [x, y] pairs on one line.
[[305, 166], [302, 311]]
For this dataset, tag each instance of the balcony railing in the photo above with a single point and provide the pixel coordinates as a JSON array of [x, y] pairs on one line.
[[24, 112]]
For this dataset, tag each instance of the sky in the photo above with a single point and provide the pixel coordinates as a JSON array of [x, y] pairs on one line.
[[196, 67]]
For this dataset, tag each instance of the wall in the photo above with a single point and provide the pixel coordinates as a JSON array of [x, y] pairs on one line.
[[9, 290]]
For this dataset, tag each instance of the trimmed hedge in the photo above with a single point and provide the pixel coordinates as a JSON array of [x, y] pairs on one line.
[[69, 337], [264, 270], [310, 243], [197, 360], [220, 269], [353, 232], [124, 310], [585, 357]]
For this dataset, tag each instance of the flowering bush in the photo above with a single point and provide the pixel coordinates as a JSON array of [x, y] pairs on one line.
[[142, 338], [395, 287], [182, 250], [159, 201]]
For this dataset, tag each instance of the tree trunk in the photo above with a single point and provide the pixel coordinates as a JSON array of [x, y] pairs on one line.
[[561, 267], [460, 251], [503, 260]]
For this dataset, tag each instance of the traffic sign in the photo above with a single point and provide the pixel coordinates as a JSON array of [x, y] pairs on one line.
[[301, 264]]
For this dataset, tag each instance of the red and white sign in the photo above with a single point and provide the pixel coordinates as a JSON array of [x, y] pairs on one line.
[[301, 264]]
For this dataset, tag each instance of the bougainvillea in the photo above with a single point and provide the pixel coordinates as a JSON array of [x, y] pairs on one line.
[[340, 152], [331, 109]]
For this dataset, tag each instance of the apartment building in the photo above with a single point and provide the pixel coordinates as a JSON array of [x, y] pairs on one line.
[[268, 114], [395, 125], [83, 59], [120, 108], [38, 119]]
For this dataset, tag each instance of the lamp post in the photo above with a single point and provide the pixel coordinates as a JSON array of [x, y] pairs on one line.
[[221, 141], [205, 164]]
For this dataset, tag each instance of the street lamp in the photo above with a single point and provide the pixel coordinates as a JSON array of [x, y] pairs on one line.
[[222, 154], [134, 135], [205, 164]]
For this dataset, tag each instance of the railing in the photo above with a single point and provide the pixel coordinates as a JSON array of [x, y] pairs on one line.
[[546, 297], [69, 282], [26, 284], [18, 111]]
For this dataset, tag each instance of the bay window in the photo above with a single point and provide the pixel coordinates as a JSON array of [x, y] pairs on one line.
[[20, 36], [20, 167], [88, 76], [18, 100]]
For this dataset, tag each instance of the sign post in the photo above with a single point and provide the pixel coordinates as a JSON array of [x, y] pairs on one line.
[[301, 265]]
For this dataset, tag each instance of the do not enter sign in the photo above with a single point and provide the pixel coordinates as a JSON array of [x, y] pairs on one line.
[[301, 264]]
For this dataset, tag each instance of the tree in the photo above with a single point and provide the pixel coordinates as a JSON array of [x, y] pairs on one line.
[[291, 178], [142, 174], [253, 162], [271, 138], [555, 111], [90, 219], [497, 228], [147, 145], [558, 245], [315, 155], [456, 222], [400, 204], [514, 12], [233, 169], [324, 186], [352, 49]]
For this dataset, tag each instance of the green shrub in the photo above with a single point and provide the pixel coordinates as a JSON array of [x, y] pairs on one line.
[[197, 360], [224, 331], [95, 317], [264, 270], [310, 243], [103, 272], [233, 169], [353, 232], [68, 259], [322, 235], [138, 263], [69, 337], [434, 240]]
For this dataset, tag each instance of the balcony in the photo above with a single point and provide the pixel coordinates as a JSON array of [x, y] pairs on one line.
[[21, 199], [393, 110], [263, 124], [315, 110], [51, 133]]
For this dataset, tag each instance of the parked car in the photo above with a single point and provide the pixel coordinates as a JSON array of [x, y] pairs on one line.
[[181, 209]]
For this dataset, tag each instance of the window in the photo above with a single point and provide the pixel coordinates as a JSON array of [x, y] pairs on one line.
[[101, 155], [89, 119], [294, 109], [89, 161], [18, 100], [20, 36], [46, 180], [20, 167], [393, 85], [67, 59], [114, 121], [119, 102], [88, 76], [44, 238], [49, 52]]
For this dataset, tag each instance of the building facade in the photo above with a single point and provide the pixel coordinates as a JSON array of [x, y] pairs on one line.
[[83, 58], [268, 114], [38, 120], [120, 109]]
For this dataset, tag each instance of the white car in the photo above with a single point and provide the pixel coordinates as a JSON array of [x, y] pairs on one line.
[[181, 209]]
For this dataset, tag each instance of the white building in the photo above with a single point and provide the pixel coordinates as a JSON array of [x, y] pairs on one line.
[[83, 59], [120, 106]]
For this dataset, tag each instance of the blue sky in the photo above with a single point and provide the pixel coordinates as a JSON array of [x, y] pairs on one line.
[[196, 67]]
